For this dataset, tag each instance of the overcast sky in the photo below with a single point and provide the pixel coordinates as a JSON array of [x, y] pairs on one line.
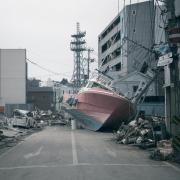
[[44, 28]]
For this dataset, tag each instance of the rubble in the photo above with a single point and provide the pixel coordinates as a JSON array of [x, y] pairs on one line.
[[141, 132], [164, 151], [148, 133], [10, 136]]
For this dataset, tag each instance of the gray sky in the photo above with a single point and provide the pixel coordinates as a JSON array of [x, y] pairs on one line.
[[44, 28]]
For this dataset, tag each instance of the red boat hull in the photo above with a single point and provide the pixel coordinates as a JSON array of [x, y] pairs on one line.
[[105, 109]]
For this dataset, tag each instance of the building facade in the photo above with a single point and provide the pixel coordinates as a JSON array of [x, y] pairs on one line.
[[128, 85], [62, 93], [13, 75], [41, 98], [117, 49]]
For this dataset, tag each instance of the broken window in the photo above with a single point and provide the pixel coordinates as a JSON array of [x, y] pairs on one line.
[[135, 88], [118, 67], [144, 67]]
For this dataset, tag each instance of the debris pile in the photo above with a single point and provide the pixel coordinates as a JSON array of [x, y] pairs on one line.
[[44, 118], [164, 151], [142, 132], [11, 136], [149, 133]]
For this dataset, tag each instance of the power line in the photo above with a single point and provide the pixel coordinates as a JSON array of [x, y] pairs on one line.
[[140, 45], [45, 69]]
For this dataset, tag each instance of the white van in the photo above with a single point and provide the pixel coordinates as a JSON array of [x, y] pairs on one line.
[[23, 118]]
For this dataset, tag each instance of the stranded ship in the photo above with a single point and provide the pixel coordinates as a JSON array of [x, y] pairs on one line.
[[98, 106]]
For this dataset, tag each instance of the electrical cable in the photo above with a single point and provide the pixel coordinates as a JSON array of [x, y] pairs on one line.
[[45, 69]]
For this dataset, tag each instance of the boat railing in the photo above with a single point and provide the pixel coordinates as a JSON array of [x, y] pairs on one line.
[[102, 79], [106, 81]]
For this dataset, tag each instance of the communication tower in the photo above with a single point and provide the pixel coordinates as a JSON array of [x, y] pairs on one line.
[[77, 45]]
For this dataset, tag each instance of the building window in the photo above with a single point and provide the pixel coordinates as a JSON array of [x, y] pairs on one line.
[[135, 88], [114, 24], [134, 12], [104, 47], [118, 67]]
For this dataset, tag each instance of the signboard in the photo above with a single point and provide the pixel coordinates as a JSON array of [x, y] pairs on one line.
[[165, 60]]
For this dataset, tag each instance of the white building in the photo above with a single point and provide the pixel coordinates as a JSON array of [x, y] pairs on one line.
[[129, 84], [62, 93], [13, 74]]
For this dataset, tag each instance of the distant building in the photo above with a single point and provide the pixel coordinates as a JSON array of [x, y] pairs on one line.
[[52, 95], [41, 98], [62, 93], [33, 82], [13, 75]]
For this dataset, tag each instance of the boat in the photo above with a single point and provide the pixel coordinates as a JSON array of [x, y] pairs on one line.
[[99, 107]]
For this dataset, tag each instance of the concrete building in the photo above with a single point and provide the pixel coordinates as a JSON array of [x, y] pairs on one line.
[[125, 51], [13, 75], [62, 93], [41, 98], [117, 52]]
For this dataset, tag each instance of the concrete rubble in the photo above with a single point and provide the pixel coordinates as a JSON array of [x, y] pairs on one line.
[[10, 135], [141, 132], [149, 133], [163, 151]]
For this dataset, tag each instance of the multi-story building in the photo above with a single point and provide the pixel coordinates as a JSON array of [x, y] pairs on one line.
[[13, 75], [126, 51], [121, 44]]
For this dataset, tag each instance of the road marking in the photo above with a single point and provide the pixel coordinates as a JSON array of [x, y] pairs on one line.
[[27, 167], [171, 165], [18, 144], [74, 150], [27, 156], [80, 164]]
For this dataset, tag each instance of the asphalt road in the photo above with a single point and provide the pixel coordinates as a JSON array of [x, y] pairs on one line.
[[57, 153]]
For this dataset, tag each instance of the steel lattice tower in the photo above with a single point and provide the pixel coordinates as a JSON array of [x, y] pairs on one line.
[[77, 45]]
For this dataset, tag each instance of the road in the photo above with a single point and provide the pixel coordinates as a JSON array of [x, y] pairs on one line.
[[57, 153]]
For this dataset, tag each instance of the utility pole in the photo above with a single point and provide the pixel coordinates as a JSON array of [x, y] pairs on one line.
[[89, 60]]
